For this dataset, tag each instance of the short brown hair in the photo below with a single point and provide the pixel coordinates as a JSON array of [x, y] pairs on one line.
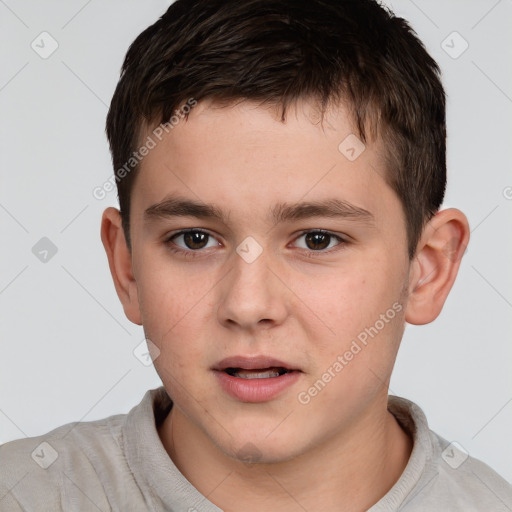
[[278, 51]]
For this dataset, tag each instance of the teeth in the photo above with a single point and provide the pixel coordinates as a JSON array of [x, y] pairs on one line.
[[247, 374], [257, 374]]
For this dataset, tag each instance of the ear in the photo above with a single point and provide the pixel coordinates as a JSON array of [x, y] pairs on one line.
[[120, 263], [435, 266]]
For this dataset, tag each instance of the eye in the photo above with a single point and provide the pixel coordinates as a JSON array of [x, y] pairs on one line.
[[318, 240], [192, 240]]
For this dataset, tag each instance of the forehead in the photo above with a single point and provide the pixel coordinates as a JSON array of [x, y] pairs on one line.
[[243, 157]]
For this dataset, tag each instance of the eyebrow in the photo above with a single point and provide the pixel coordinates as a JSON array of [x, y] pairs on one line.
[[176, 206]]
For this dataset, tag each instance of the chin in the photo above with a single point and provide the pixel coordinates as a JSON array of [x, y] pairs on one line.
[[260, 450]]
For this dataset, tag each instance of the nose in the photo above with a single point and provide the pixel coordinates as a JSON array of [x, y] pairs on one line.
[[252, 296]]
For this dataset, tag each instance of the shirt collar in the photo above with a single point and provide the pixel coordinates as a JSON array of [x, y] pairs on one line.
[[165, 488]]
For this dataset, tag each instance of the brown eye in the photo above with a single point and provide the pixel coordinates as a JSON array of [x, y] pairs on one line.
[[195, 239], [192, 240], [318, 240]]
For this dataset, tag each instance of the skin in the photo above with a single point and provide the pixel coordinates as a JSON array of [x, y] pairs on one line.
[[303, 304]]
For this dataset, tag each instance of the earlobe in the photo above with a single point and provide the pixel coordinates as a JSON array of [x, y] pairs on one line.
[[120, 263], [435, 266]]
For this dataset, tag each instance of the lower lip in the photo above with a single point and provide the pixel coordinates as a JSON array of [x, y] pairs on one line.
[[255, 390]]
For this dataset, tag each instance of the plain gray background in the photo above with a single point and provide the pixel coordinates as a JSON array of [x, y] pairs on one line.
[[66, 346]]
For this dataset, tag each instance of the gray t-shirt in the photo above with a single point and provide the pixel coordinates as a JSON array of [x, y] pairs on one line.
[[120, 464]]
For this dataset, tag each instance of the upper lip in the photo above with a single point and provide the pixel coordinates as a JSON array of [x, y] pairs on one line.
[[252, 363]]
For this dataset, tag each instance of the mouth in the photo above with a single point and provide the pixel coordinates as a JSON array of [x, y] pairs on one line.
[[255, 379], [255, 367], [262, 373]]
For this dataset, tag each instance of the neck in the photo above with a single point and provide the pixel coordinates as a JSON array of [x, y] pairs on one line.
[[349, 472]]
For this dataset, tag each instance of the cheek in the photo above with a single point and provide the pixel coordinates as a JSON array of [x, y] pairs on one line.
[[346, 301], [175, 322], [169, 294], [175, 310], [364, 313]]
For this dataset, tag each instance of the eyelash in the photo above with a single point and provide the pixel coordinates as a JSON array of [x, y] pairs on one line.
[[189, 253]]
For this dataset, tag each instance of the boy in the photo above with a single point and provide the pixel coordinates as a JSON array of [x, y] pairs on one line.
[[280, 169]]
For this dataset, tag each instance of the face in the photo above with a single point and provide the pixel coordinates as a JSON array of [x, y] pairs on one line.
[[298, 264]]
